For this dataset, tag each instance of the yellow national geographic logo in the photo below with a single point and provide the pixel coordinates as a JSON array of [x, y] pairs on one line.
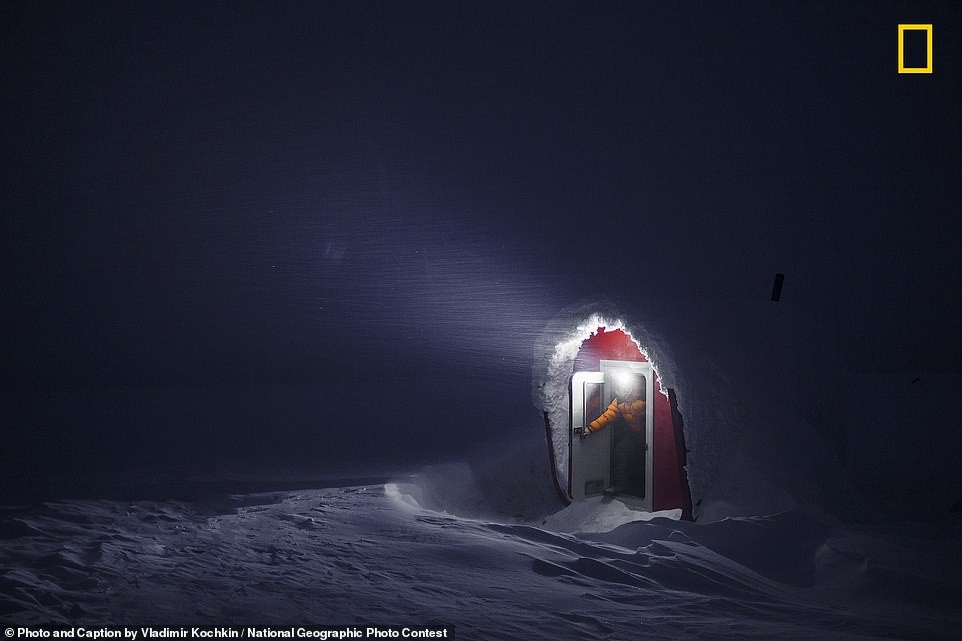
[[927, 28]]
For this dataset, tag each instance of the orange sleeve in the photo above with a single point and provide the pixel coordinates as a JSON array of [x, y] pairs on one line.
[[609, 415]]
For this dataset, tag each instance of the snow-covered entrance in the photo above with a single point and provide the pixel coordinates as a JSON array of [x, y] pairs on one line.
[[583, 342]]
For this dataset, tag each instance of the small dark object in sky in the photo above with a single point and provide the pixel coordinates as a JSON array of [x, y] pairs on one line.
[[777, 287]]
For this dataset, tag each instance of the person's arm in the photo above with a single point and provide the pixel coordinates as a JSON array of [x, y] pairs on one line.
[[609, 415]]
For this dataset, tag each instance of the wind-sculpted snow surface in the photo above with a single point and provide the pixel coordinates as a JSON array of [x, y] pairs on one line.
[[372, 554]]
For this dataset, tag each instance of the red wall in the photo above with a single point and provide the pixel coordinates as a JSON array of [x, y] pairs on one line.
[[669, 479]]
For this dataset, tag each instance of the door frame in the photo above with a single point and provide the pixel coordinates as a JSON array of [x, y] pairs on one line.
[[589, 460]]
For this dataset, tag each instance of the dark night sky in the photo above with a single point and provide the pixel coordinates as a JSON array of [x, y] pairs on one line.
[[296, 193]]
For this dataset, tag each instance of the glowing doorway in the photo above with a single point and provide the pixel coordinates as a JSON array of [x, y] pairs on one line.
[[618, 457]]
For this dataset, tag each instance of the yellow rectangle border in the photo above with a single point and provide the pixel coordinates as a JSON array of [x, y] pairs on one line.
[[927, 28]]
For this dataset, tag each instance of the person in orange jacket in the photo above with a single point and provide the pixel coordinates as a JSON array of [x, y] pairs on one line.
[[627, 418]]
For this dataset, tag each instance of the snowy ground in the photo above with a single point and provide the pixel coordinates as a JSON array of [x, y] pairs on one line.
[[374, 554], [817, 519]]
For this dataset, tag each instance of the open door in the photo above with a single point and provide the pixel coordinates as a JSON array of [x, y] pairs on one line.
[[590, 459], [617, 452]]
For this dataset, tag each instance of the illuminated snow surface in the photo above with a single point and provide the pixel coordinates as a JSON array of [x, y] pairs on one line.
[[815, 521], [374, 554]]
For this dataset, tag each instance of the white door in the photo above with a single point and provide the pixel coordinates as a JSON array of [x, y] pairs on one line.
[[590, 460]]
